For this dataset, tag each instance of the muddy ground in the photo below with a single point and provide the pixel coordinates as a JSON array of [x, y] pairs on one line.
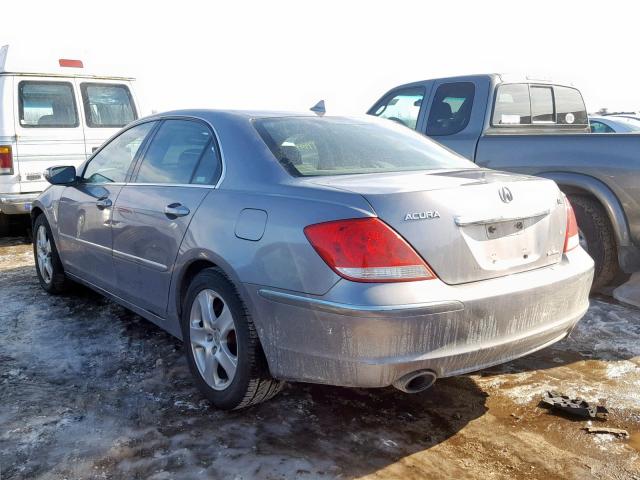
[[90, 390]]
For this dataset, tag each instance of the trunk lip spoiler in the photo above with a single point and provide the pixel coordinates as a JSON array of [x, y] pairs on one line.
[[464, 221]]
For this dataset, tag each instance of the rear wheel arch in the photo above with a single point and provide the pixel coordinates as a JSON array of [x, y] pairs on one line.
[[585, 185]]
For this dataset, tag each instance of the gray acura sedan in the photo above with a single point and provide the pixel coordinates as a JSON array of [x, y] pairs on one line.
[[334, 250]]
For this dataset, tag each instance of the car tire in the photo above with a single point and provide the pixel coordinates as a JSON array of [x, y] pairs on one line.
[[48, 265], [596, 231], [218, 332], [5, 225]]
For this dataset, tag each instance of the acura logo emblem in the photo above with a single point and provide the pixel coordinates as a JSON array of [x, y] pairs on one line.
[[505, 194]]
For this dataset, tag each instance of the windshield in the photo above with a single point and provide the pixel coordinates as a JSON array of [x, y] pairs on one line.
[[631, 123], [308, 146]]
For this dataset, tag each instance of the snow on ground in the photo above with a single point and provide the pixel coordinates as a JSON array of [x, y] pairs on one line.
[[90, 390]]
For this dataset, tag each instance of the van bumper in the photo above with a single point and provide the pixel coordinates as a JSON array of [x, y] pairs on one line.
[[17, 203], [448, 329]]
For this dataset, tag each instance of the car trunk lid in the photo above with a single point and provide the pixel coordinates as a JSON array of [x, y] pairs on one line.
[[468, 225]]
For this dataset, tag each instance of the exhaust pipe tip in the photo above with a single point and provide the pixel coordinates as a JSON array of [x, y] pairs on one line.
[[415, 382]]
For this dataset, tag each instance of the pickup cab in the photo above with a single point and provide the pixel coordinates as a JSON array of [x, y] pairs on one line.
[[538, 128], [53, 111]]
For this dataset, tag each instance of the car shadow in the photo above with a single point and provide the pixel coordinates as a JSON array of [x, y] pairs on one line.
[[79, 364]]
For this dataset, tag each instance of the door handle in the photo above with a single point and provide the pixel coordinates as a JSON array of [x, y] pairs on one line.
[[104, 203], [174, 210]]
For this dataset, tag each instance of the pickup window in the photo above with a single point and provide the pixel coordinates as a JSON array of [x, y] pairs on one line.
[[47, 105], [542, 107], [570, 106], [451, 108], [107, 105], [401, 106], [512, 105]]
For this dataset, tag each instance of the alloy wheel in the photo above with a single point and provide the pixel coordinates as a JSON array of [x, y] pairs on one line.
[[43, 250], [213, 339]]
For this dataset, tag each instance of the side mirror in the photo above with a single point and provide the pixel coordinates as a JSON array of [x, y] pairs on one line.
[[60, 175]]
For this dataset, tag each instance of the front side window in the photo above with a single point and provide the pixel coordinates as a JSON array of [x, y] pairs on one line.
[[107, 105], [175, 154], [47, 105], [402, 106], [307, 146], [112, 163], [512, 105], [542, 108], [599, 127], [570, 106], [451, 108]]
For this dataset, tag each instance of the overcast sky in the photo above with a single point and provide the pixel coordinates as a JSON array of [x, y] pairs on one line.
[[289, 54]]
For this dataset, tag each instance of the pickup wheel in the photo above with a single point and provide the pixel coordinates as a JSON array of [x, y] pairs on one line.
[[48, 265], [596, 236], [5, 224], [222, 346]]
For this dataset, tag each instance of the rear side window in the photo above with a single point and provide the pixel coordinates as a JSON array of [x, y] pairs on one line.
[[570, 106], [512, 106], [107, 105], [402, 106], [47, 105], [175, 153], [451, 108]]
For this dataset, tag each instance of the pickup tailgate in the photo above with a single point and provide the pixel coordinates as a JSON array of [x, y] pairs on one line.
[[468, 225]]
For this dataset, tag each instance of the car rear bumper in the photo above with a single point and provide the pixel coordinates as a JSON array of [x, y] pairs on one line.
[[372, 340], [17, 203]]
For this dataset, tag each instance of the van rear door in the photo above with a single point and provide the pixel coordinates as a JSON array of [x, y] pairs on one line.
[[48, 128], [107, 106]]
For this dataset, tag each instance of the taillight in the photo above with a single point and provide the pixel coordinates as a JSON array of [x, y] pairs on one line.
[[572, 237], [367, 250], [6, 160]]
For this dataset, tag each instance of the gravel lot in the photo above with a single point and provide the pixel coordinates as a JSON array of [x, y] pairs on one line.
[[90, 390]]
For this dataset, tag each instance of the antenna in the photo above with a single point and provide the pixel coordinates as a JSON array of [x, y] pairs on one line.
[[319, 108]]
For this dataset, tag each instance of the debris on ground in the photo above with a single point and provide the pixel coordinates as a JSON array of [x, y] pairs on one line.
[[617, 432], [573, 406]]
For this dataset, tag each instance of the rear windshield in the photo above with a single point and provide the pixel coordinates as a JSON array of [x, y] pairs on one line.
[[107, 105], [307, 146]]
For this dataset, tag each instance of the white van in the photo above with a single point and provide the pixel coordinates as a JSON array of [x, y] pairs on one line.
[[53, 111]]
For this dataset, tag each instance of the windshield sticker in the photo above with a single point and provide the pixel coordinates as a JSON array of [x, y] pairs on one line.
[[569, 118]]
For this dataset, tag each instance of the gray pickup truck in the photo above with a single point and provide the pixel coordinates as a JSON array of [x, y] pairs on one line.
[[538, 128]]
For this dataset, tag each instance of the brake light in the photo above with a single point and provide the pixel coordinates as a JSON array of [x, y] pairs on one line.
[[367, 250], [6, 160], [572, 237], [67, 62]]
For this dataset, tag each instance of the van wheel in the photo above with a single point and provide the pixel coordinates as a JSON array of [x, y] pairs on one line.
[[596, 236], [222, 347], [5, 225], [48, 265]]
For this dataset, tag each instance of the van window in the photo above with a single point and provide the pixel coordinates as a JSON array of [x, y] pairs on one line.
[[107, 105], [512, 106], [451, 108], [570, 106], [542, 108], [112, 163], [47, 105], [174, 153], [402, 106]]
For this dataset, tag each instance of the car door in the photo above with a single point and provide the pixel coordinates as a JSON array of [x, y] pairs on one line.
[[152, 213], [47, 127], [85, 209]]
